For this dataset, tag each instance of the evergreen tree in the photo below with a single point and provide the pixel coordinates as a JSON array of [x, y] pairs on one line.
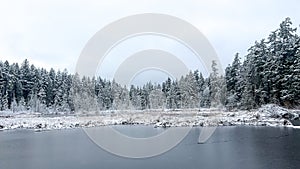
[[215, 87], [157, 98]]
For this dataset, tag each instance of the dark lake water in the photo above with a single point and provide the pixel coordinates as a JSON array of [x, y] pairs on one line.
[[229, 147]]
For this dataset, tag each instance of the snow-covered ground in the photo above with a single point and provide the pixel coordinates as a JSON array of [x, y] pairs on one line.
[[269, 115]]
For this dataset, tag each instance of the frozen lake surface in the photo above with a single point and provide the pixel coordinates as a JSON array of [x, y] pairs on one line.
[[229, 147]]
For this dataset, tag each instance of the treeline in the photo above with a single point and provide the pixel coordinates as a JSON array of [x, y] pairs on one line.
[[26, 87], [270, 73]]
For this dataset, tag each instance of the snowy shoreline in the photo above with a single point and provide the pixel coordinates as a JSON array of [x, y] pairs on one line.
[[269, 115]]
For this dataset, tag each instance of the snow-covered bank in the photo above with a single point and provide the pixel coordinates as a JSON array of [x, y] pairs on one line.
[[269, 115]]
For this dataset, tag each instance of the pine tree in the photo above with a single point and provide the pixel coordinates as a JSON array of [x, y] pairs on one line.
[[17, 85], [233, 83], [177, 95], [295, 81], [215, 87], [166, 88], [26, 80], [135, 97], [157, 98], [205, 100], [4, 101]]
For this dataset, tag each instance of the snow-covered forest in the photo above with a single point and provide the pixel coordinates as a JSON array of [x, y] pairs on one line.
[[26, 87], [269, 73]]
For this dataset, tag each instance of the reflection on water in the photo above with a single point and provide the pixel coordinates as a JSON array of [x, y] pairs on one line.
[[229, 147]]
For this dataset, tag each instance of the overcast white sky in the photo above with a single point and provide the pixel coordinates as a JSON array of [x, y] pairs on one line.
[[52, 33]]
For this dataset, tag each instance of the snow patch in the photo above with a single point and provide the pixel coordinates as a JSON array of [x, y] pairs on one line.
[[269, 115]]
